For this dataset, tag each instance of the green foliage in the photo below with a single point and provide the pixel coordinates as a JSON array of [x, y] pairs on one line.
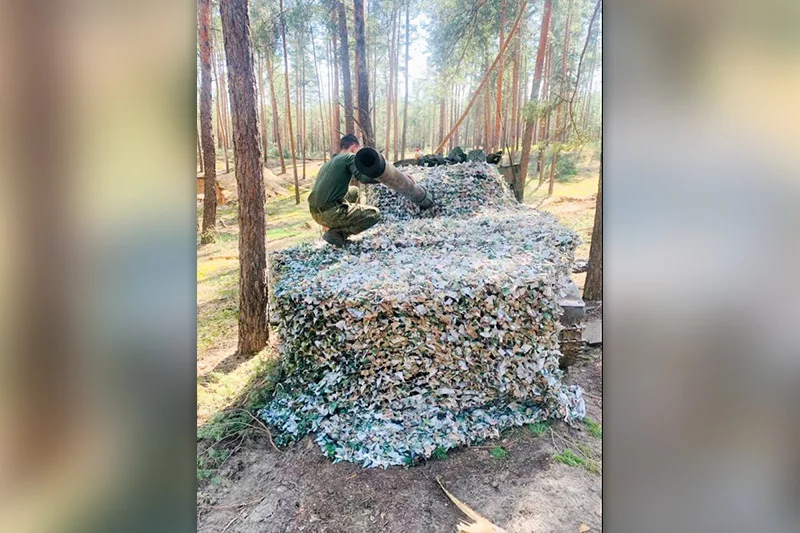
[[539, 428], [498, 452], [595, 429], [566, 167], [440, 454], [570, 458]]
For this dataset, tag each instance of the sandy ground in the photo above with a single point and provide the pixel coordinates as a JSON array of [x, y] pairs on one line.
[[298, 489]]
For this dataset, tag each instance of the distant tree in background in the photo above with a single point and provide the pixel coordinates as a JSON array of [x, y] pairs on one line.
[[253, 324]]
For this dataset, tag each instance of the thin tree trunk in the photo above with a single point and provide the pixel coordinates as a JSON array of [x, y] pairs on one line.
[[221, 121], [499, 98], [289, 106], [515, 95], [527, 136], [487, 117], [593, 288], [337, 117], [253, 301], [227, 125], [209, 167], [344, 57], [396, 89], [390, 84], [500, 54], [322, 111], [405, 96], [274, 101], [553, 163], [561, 118], [263, 110], [302, 104], [363, 77]]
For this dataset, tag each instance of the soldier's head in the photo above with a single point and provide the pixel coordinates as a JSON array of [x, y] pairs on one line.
[[349, 144]]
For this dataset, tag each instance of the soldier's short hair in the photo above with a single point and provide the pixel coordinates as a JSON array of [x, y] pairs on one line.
[[347, 141]]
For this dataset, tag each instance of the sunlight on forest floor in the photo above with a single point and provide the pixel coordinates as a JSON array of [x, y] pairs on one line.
[[220, 376]]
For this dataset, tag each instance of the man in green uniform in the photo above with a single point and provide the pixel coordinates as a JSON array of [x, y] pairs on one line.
[[333, 204]]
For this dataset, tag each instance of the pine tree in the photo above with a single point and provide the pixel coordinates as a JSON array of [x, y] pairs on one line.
[[253, 326]]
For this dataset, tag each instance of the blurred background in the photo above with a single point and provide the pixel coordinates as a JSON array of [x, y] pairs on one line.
[[97, 277]]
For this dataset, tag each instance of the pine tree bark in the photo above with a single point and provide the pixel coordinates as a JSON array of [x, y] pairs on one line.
[[206, 126], [515, 95], [593, 288], [322, 108], [561, 112], [499, 97], [362, 74], [302, 105], [274, 102], [289, 107], [226, 120], [530, 122], [344, 56], [262, 110], [221, 120], [405, 96], [396, 90], [337, 116], [390, 84], [253, 323]]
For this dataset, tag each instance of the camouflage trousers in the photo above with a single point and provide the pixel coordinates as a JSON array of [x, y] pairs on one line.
[[349, 216]]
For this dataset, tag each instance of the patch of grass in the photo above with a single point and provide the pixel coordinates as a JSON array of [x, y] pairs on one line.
[[498, 452], [595, 429], [236, 422], [539, 428], [440, 454], [570, 458], [585, 450]]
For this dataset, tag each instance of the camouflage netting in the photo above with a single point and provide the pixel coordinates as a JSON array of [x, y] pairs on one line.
[[425, 334]]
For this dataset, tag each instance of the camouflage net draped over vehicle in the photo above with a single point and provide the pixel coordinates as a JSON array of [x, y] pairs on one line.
[[458, 190], [424, 334]]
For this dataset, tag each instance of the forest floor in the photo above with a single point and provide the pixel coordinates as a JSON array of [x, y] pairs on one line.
[[534, 479]]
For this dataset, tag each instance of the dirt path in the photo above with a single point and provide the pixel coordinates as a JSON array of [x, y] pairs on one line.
[[298, 489]]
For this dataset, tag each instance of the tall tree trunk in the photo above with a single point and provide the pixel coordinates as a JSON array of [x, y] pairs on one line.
[[322, 110], [405, 96], [263, 110], [302, 104], [561, 118], [206, 127], [274, 102], [499, 98], [396, 88], [514, 95], [593, 288], [337, 117], [253, 323], [363, 76], [527, 136], [221, 120], [390, 84], [227, 125], [344, 56], [289, 106]]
